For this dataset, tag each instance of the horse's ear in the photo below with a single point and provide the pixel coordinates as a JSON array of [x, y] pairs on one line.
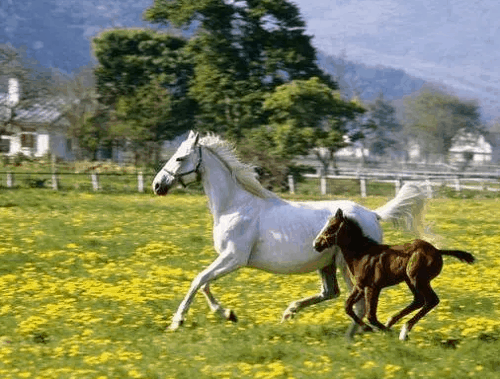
[[339, 214]]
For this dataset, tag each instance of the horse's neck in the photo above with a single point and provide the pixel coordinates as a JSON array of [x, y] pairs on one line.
[[223, 192], [355, 250]]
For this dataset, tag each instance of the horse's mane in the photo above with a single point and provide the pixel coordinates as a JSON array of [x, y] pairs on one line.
[[243, 174]]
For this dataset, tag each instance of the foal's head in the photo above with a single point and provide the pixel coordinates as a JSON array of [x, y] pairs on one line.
[[339, 230]]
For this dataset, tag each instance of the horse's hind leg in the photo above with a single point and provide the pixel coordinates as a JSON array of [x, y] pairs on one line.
[[329, 290], [418, 302], [431, 301], [215, 306]]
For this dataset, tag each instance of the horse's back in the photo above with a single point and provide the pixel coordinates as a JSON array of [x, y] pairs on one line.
[[365, 217]]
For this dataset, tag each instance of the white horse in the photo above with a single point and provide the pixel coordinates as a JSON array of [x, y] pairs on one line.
[[255, 228]]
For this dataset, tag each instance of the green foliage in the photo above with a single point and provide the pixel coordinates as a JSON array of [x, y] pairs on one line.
[[386, 135], [241, 51], [434, 118]]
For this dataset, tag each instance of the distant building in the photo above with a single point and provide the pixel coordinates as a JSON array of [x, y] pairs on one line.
[[466, 147], [35, 129], [473, 147]]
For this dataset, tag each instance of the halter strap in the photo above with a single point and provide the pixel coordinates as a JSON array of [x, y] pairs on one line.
[[196, 169]]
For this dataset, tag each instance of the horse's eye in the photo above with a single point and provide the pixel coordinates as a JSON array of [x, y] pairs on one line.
[[180, 159]]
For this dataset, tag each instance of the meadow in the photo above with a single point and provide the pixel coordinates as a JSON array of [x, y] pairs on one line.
[[89, 281]]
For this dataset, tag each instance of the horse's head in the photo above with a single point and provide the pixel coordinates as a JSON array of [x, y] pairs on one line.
[[335, 232], [182, 167]]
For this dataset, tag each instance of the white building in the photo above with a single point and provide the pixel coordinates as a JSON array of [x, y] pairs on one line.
[[35, 129]]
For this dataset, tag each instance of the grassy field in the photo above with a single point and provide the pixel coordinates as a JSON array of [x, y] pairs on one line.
[[88, 283]]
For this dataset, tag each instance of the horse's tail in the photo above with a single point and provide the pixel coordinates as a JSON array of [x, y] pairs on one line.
[[406, 209], [462, 255]]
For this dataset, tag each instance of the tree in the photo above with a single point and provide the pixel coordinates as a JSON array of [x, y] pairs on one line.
[[82, 107], [385, 136], [142, 120], [132, 60], [434, 117], [241, 51], [305, 115]]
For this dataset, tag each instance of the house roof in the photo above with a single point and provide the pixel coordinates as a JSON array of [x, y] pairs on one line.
[[40, 111]]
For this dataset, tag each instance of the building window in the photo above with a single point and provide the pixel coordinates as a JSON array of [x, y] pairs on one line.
[[4, 145], [28, 140]]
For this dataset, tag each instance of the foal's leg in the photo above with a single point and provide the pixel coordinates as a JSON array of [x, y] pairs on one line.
[[360, 305], [329, 290], [431, 301], [371, 298], [215, 306], [418, 302], [356, 295]]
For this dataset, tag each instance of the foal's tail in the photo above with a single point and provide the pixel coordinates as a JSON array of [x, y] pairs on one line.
[[462, 255], [406, 209]]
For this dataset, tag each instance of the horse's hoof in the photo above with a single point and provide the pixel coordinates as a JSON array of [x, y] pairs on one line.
[[288, 315], [230, 315], [175, 325]]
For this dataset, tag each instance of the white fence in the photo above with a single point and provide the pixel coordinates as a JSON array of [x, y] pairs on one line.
[[464, 181]]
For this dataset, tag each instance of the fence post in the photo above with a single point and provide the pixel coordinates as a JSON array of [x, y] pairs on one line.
[[429, 187], [322, 184], [54, 173], [95, 181], [140, 182], [10, 180], [291, 184], [397, 184], [457, 184], [362, 185]]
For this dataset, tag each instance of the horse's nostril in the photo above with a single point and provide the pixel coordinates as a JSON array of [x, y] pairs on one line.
[[157, 186]]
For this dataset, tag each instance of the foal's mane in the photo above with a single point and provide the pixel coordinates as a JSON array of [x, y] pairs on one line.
[[243, 174], [359, 236]]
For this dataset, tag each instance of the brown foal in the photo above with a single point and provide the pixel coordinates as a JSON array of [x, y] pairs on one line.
[[376, 266]]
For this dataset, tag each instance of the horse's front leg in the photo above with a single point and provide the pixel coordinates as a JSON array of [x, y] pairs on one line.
[[329, 290], [224, 264], [360, 306], [215, 306]]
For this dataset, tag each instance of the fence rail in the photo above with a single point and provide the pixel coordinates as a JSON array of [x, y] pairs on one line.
[[91, 180], [479, 181], [139, 182]]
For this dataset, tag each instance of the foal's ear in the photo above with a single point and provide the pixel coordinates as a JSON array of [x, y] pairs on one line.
[[339, 214]]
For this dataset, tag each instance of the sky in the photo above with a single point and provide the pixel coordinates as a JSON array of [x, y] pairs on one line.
[[455, 43]]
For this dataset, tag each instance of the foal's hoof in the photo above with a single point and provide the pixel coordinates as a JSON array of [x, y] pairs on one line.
[[403, 336], [367, 328], [230, 315]]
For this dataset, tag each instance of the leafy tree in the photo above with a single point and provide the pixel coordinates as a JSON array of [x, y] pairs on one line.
[[132, 61], [82, 106], [434, 117], [142, 119], [241, 51], [385, 136], [307, 115]]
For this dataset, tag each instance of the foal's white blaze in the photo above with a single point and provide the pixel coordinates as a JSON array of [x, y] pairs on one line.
[[255, 228]]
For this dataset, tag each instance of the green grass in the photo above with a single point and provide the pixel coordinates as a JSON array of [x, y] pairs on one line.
[[88, 283]]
